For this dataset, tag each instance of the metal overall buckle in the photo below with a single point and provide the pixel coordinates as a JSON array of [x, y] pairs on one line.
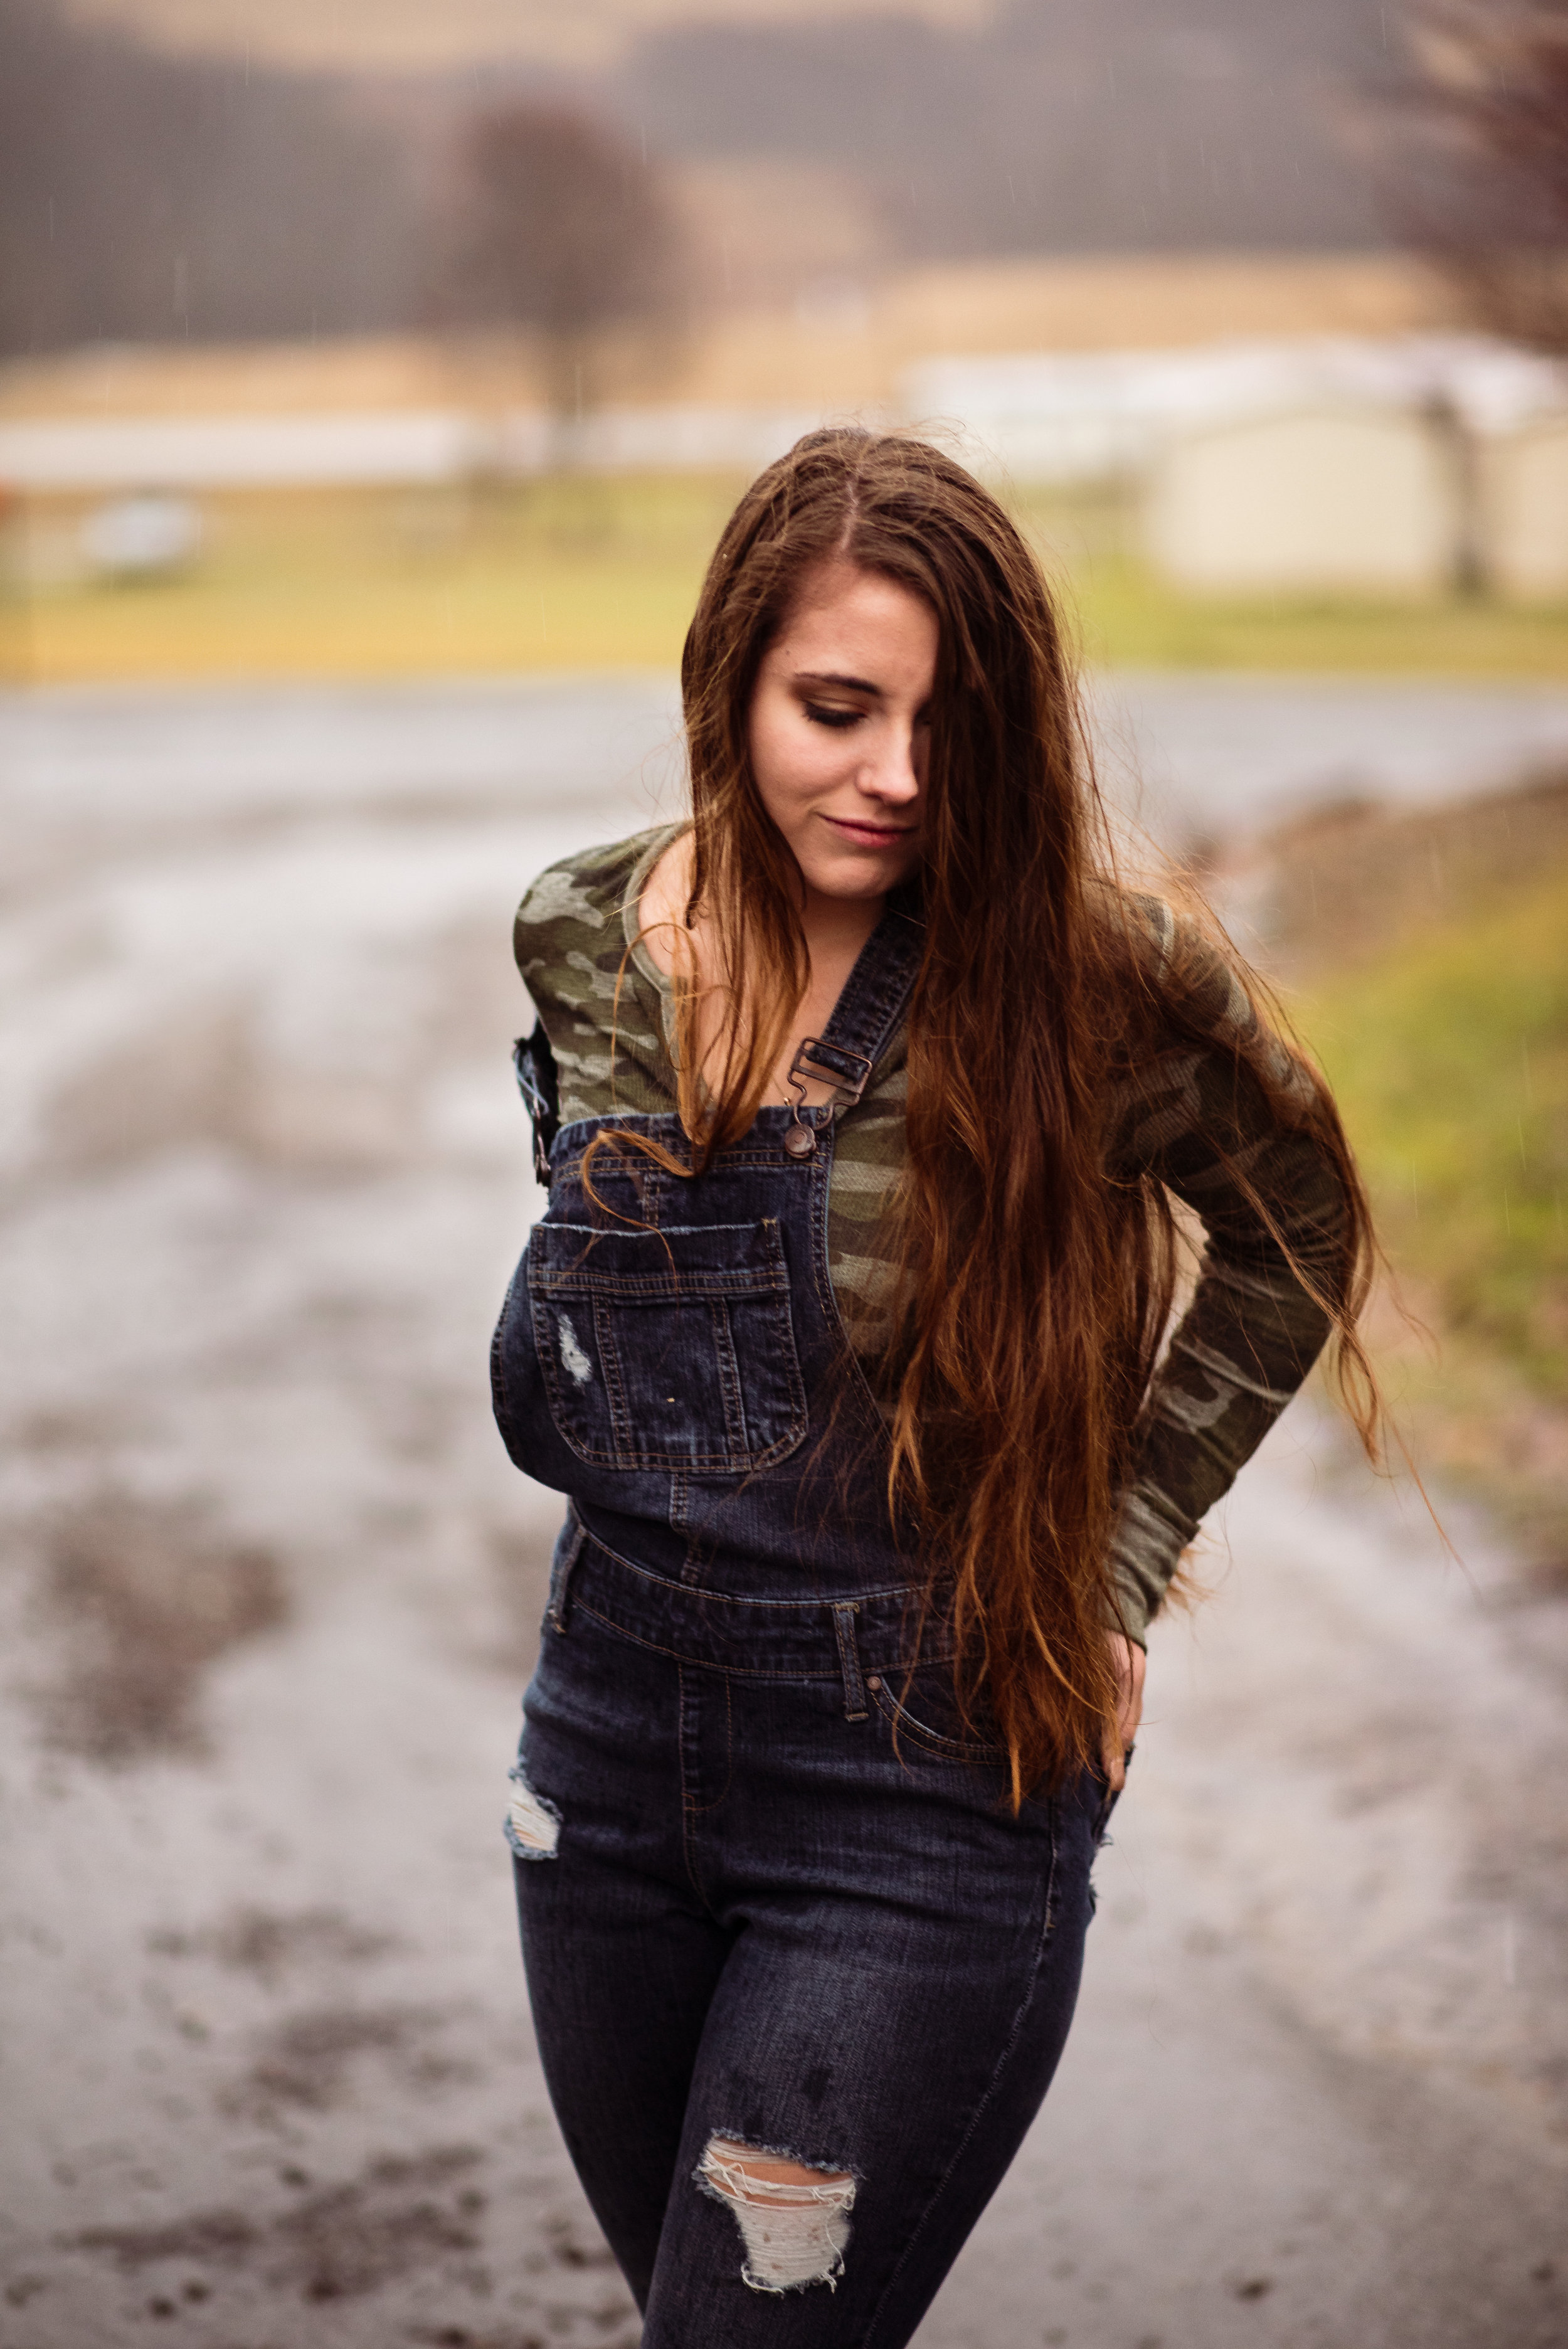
[[850, 1073]]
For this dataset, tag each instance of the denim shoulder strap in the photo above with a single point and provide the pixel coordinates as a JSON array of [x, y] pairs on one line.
[[865, 1017]]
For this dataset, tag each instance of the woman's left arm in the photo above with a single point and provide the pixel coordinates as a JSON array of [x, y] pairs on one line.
[[1219, 1116]]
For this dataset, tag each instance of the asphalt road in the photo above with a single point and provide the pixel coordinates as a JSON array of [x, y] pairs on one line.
[[1188, 753], [266, 2074]]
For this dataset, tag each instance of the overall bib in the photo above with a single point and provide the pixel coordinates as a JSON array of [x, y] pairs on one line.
[[770, 1890]]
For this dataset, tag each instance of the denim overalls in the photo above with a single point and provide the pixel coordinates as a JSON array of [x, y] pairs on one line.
[[770, 1892]]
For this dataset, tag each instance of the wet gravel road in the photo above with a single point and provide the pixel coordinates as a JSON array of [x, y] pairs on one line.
[[266, 2080]]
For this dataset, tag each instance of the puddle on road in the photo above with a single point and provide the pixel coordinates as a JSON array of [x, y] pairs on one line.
[[147, 1595], [266, 1943], [306, 2061], [335, 2244]]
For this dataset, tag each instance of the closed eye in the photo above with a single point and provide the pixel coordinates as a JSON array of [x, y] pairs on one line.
[[838, 719]]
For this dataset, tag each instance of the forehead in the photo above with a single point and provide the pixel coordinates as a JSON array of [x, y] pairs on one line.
[[841, 609]]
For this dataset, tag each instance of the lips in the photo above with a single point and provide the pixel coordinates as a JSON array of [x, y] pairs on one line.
[[871, 835]]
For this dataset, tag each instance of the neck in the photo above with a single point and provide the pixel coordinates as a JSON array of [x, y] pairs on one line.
[[835, 927]]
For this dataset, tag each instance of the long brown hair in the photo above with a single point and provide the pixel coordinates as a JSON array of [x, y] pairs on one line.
[[1033, 1288]]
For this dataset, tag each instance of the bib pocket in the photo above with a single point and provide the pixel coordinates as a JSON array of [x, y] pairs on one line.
[[669, 1349]]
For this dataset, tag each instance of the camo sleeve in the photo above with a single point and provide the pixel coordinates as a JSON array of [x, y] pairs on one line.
[[602, 1008], [1198, 1117]]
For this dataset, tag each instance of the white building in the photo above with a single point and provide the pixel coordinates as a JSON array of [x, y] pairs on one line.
[[1333, 497], [1331, 462], [1085, 415], [1523, 485], [44, 455]]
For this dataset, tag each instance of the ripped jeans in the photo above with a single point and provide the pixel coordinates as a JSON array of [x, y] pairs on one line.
[[772, 1906]]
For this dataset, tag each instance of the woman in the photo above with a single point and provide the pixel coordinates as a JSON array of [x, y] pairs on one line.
[[841, 1332]]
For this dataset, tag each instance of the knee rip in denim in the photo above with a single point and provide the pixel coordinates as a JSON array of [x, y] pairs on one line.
[[794, 2216], [532, 1824]]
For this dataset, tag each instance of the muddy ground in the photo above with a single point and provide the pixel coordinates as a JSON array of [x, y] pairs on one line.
[[266, 2079]]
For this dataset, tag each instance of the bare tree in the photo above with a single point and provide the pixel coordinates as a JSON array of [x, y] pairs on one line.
[[562, 229], [1478, 171]]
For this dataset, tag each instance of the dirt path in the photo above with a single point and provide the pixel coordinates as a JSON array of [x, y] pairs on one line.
[[264, 2062]]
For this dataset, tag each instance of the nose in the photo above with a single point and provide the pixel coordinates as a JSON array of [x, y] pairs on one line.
[[893, 773]]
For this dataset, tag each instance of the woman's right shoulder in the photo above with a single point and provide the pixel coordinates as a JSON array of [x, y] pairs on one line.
[[575, 906]]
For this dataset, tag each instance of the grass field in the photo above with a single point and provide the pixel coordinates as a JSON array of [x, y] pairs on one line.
[[557, 576], [1449, 1053], [583, 573]]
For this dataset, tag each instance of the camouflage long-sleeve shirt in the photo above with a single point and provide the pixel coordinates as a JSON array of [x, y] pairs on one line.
[[1192, 1115]]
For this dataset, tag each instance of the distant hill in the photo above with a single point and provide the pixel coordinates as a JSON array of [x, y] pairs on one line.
[[1066, 126], [146, 194], [149, 197]]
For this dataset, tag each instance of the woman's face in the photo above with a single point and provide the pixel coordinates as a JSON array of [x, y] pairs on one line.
[[841, 726]]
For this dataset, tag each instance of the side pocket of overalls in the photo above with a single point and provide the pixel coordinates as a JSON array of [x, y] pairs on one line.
[[501, 1388], [516, 1394], [533, 1065]]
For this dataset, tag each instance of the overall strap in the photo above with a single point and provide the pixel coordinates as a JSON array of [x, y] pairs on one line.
[[865, 1018]]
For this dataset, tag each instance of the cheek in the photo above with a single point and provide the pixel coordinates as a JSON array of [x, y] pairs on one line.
[[792, 761]]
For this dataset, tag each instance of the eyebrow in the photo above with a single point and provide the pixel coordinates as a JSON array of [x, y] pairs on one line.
[[829, 677]]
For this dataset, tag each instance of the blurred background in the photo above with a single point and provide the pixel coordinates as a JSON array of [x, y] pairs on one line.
[[374, 381]]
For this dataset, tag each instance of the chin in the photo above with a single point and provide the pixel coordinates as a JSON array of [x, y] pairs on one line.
[[853, 872]]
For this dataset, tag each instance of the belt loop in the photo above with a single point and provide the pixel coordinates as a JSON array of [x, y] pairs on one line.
[[855, 1708], [562, 1566]]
